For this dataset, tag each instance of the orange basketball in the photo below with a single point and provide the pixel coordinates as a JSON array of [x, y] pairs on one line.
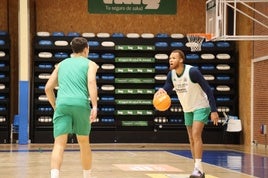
[[162, 102]]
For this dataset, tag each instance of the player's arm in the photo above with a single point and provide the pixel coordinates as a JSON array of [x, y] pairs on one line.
[[168, 86], [50, 85], [92, 88], [197, 77]]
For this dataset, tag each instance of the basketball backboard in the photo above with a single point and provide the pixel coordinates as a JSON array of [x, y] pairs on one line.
[[213, 18], [218, 22]]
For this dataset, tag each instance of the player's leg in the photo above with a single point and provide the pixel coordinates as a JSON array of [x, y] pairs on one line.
[[57, 154], [200, 118], [85, 154], [62, 125], [197, 130], [188, 121], [82, 127], [191, 141]]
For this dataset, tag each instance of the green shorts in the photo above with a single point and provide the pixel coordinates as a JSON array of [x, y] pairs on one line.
[[197, 115], [71, 119]]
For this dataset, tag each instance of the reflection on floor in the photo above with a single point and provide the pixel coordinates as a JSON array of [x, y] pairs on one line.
[[242, 162]]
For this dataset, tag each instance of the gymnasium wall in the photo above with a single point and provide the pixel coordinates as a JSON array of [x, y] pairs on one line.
[[3, 15], [260, 96], [61, 16], [260, 90], [49, 15], [244, 50], [261, 47], [9, 23], [66, 17]]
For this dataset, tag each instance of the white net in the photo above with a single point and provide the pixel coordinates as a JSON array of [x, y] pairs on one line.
[[195, 42]]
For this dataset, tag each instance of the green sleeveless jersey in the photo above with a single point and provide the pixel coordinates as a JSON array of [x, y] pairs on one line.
[[72, 80]]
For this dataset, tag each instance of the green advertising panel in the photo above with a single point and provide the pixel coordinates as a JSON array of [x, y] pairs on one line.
[[132, 6]]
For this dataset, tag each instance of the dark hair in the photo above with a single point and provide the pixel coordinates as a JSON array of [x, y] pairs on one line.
[[78, 44], [180, 52]]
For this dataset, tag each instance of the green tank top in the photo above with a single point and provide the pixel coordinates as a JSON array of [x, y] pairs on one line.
[[72, 80]]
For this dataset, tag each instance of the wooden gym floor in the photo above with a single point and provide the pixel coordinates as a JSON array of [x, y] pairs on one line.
[[135, 161]]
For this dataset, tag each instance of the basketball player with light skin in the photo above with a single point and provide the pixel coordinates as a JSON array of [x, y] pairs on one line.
[[197, 100], [76, 79]]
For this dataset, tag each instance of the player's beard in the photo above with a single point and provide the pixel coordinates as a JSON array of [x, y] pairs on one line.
[[174, 65]]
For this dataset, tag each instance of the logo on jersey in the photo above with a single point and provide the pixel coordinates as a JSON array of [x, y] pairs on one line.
[[181, 85]]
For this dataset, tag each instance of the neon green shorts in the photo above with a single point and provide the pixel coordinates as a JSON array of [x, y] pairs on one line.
[[200, 115], [71, 119]]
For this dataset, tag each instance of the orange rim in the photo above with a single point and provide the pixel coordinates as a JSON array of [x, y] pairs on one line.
[[208, 36]]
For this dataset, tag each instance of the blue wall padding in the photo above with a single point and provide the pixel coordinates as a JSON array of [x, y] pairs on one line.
[[23, 111]]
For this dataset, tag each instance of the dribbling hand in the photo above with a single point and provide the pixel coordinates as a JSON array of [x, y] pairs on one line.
[[160, 92]]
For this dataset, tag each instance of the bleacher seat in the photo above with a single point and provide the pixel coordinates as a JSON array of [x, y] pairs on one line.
[[58, 34], [43, 34]]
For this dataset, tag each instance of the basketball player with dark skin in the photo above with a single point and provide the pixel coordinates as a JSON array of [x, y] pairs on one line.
[[197, 100]]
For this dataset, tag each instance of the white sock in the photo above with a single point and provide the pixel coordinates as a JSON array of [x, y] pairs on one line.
[[87, 173], [198, 165], [54, 173]]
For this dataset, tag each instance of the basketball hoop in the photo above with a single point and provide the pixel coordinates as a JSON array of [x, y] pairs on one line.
[[195, 40]]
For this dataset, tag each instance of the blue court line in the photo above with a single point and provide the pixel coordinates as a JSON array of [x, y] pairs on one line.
[[251, 164]]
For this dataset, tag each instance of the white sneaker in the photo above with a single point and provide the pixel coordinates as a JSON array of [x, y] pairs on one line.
[[197, 174]]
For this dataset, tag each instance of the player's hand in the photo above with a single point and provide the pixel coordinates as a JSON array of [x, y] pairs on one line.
[[93, 115], [160, 92], [214, 117]]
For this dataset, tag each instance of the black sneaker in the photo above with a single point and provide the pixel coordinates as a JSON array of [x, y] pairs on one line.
[[197, 174]]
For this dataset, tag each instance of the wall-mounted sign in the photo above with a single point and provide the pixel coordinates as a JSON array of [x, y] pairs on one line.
[[132, 6]]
